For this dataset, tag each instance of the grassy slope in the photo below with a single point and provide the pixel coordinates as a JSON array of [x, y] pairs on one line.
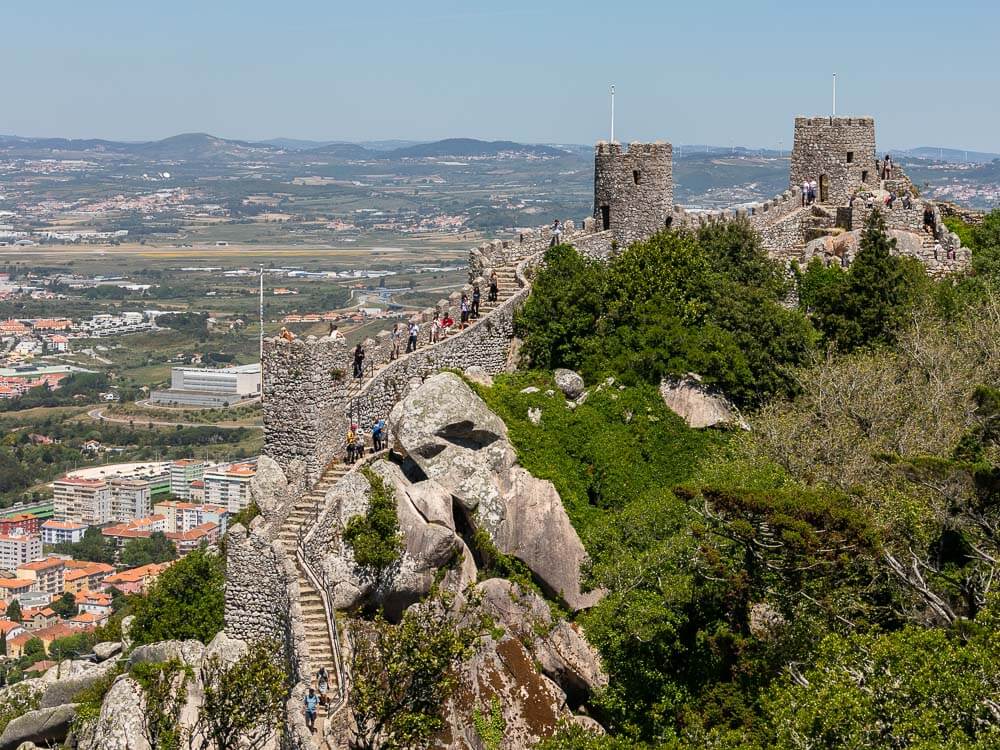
[[613, 449]]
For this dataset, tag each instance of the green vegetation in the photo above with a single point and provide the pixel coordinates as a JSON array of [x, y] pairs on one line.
[[490, 724], [94, 547], [155, 549], [403, 674], [706, 302], [375, 537], [164, 686], [869, 303], [244, 702], [185, 601], [825, 580]]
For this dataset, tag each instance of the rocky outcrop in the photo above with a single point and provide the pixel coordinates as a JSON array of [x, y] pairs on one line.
[[44, 726], [451, 435], [697, 404], [532, 667], [479, 376], [569, 382]]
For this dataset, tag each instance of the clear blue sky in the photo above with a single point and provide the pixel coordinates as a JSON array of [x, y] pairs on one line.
[[530, 70]]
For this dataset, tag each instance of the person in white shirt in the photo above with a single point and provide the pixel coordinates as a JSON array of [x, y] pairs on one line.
[[556, 234], [813, 195], [805, 192], [411, 345]]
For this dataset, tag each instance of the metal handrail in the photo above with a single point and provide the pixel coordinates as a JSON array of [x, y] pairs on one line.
[[321, 583]]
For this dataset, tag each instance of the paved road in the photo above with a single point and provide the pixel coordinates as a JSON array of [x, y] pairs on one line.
[[141, 421]]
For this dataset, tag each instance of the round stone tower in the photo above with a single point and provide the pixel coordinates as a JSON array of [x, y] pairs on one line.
[[838, 153], [633, 189]]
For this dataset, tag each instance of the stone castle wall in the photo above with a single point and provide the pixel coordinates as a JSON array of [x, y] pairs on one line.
[[633, 189], [304, 392], [837, 152], [262, 596]]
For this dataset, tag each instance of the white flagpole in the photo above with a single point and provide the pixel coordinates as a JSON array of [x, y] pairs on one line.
[[612, 113], [834, 94], [261, 312]]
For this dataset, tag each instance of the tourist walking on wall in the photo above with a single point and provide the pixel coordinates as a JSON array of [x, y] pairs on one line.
[[359, 360], [464, 310], [359, 445], [556, 234], [805, 192], [378, 435], [494, 286], [397, 339], [349, 443], [286, 334], [435, 330], [411, 345], [312, 705], [813, 188], [476, 296], [322, 681], [335, 334]]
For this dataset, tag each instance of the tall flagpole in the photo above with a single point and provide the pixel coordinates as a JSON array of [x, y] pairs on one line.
[[834, 94], [612, 113]]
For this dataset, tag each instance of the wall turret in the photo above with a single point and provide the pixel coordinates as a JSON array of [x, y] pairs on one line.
[[633, 189], [838, 153]]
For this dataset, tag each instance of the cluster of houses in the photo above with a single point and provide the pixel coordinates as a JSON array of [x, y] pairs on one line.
[[36, 585]]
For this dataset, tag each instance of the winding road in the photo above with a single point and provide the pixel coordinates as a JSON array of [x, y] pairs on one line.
[[142, 420]]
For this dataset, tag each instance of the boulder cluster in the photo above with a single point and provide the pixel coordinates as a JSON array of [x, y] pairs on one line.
[[461, 497]]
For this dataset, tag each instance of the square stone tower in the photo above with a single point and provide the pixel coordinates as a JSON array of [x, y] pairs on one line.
[[837, 152], [633, 189]]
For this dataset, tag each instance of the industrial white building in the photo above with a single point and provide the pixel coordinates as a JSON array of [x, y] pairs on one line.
[[205, 387]]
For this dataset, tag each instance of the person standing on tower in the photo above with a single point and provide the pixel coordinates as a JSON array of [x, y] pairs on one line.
[[556, 234]]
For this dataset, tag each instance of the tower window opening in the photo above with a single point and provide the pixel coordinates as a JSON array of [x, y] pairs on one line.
[[606, 217], [864, 175], [850, 157], [636, 174]]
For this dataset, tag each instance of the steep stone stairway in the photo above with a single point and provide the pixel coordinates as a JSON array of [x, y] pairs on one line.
[[298, 522]]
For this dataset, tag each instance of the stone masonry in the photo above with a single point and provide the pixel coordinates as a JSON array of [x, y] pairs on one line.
[[838, 153], [633, 189]]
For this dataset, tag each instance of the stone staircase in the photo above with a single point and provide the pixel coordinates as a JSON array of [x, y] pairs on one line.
[[298, 522]]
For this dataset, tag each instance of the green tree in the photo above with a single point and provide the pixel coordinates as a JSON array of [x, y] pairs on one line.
[[916, 688], [566, 300], [186, 601], [244, 702], [14, 610], [869, 303], [986, 246], [154, 549], [164, 685], [374, 537], [65, 606], [403, 674], [94, 547], [34, 650]]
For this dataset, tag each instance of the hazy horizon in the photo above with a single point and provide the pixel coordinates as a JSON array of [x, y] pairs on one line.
[[721, 73]]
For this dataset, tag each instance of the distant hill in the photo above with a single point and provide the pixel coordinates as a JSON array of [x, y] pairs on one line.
[[294, 144], [950, 155], [344, 151], [472, 147], [198, 147]]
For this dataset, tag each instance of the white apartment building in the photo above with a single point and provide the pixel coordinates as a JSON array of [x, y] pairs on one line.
[[181, 517], [229, 486], [55, 532], [130, 499], [182, 473], [86, 501], [18, 548]]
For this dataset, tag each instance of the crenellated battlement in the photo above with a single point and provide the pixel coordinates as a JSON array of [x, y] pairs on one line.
[[837, 122]]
